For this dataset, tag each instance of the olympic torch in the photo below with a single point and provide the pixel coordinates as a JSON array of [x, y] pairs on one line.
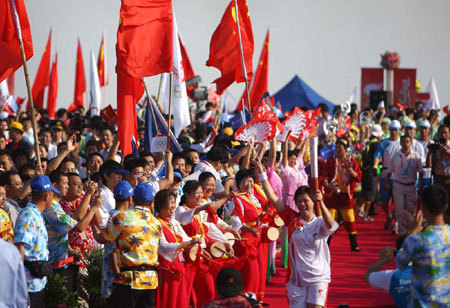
[[313, 149]]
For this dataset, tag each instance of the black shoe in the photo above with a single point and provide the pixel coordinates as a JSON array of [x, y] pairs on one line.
[[353, 243], [388, 223], [373, 213]]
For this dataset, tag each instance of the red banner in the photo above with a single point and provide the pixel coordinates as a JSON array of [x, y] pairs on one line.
[[371, 80], [405, 86]]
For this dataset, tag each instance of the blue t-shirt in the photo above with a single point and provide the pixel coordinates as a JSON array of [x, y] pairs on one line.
[[400, 287]]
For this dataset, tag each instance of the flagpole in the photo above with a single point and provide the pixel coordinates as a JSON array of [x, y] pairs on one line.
[[244, 70], [27, 80], [151, 106], [159, 90], [170, 112]]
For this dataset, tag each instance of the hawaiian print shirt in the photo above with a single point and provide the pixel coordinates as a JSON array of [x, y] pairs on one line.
[[30, 230], [6, 230], [137, 233], [429, 252], [83, 241], [107, 273], [58, 225]]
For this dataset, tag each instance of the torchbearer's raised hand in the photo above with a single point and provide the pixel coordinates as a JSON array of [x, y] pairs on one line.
[[317, 196]]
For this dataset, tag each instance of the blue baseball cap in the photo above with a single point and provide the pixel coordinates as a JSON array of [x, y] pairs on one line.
[[42, 183], [123, 190], [177, 174], [143, 192]]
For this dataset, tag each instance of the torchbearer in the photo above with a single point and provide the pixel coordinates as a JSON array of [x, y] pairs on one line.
[[309, 255]]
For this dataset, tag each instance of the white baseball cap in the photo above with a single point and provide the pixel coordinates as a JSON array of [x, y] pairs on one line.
[[376, 130]]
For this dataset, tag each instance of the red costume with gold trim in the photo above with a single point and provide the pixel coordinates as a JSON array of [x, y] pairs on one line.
[[335, 172], [249, 208], [172, 288]]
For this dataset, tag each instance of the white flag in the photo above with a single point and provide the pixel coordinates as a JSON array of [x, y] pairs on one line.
[[433, 103], [180, 105], [94, 87]]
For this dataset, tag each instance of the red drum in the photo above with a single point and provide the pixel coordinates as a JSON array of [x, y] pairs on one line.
[[277, 221], [191, 252], [230, 237], [216, 249], [269, 234]]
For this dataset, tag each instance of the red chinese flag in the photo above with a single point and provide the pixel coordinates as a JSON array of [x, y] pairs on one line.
[[53, 89], [224, 50], [101, 64], [42, 76], [260, 82], [144, 48], [80, 80], [144, 39], [11, 56], [129, 91]]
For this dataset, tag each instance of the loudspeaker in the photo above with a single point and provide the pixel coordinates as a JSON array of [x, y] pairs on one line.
[[376, 97]]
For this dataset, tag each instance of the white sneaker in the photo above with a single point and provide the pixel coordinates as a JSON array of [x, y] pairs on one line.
[[395, 228]]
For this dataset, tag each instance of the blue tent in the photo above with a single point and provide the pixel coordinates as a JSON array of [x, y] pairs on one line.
[[298, 93]]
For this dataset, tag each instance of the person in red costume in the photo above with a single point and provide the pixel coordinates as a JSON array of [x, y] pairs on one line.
[[248, 208], [339, 177], [172, 288], [194, 218]]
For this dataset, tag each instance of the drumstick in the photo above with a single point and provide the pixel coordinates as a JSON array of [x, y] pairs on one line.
[[224, 252]]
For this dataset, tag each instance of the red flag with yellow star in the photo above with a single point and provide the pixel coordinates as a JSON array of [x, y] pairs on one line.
[[42, 76], [224, 50], [260, 81], [53, 89], [11, 56], [101, 64], [80, 81]]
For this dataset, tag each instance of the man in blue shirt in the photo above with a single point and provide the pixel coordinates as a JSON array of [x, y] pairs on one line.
[[30, 235], [397, 282], [384, 153], [13, 285]]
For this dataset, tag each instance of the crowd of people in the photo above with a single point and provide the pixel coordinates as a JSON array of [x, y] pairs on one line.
[[202, 227]]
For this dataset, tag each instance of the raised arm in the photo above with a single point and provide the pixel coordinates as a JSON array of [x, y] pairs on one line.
[[284, 149], [54, 163], [163, 184], [272, 153], [268, 190]]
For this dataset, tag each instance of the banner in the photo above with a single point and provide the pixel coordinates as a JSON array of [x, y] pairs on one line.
[[371, 80], [405, 86]]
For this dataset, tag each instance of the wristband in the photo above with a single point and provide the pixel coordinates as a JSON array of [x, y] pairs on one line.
[[263, 177]]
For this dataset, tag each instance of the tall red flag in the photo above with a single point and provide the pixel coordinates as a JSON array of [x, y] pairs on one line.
[[42, 76], [53, 89], [11, 56], [224, 50], [144, 39], [80, 81], [101, 64], [144, 48], [260, 81]]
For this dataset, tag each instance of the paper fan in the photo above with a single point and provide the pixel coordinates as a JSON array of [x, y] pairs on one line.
[[295, 123], [258, 130]]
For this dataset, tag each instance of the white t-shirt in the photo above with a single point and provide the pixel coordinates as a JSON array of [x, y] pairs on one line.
[[309, 255], [204, 166], [381, 279], [108, 204]]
